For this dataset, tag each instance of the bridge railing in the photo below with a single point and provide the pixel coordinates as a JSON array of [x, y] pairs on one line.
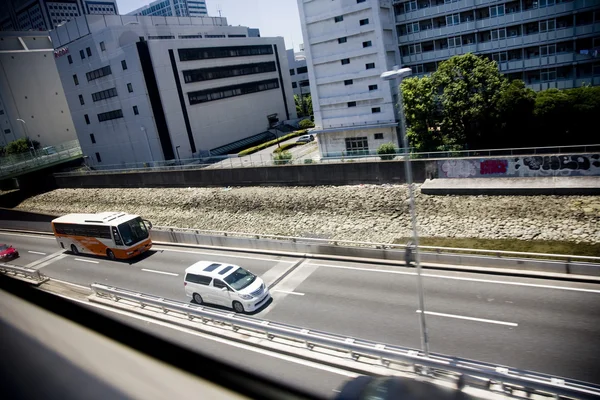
[[21, 163], [267, 160], [458, 370]]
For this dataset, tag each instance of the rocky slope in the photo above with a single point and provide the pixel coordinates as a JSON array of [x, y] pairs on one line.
[[362, 212]]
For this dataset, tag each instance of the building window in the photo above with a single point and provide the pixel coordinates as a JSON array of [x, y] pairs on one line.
[[104, 94], [548, 50], [342, 40], [70, 59], [372, 87], [129, 88], [345, 61], [75, 79], [107, 116], [98, 157], [223, 52], [417, 69], [546, 26], [81, 100], [302, 70], [92, 138], [7, 131], [102, 46], [500, 57], [370, 65], [348, 82], [379, 136], [548, 75], [360, 1], [496, 11], [292, 71], [98, 73], [203, 96], [135, 110], [123, 65], [206, 74], [82, 54], [454, 42], [367, 43], [339, 18], [364, 21], [410, 6], [351, 104], [412, 28], [304, 83], [375, 110], [87, 119], [357, 145], [498, 34], [294, 85], [88, 51]]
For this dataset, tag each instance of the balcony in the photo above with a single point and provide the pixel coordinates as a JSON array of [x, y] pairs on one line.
[[366, 95], [445, 31], [587, 29]]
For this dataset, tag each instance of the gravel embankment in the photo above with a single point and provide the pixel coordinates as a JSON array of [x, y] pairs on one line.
[[363, 212]]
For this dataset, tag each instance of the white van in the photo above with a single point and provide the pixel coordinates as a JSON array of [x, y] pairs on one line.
[[226, 285]]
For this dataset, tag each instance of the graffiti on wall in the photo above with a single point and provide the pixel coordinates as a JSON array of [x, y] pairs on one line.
[[563, 165]]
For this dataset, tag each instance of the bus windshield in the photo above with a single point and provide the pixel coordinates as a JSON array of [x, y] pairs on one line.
[[133, 231]]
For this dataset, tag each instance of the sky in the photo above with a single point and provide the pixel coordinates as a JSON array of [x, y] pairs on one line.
[[272, 17]]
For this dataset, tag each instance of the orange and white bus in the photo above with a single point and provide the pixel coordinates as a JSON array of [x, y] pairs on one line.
[[112, 234]]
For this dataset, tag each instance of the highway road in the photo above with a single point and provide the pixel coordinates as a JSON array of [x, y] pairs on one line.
[[536, 324]]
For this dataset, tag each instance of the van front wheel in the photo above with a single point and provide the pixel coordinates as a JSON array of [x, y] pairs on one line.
[[238, 307], [111, 255], [197, 298]]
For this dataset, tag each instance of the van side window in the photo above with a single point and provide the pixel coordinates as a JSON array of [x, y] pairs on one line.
[[219, 284], [118, 240], [202, 280]]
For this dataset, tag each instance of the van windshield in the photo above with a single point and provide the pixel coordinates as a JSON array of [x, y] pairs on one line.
[[240, 279], [133, 231]]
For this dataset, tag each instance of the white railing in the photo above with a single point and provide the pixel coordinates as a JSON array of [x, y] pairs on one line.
[[23, 272], [460, 371]]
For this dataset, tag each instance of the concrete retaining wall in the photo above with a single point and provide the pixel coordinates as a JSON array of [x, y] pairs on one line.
[[347, 173]]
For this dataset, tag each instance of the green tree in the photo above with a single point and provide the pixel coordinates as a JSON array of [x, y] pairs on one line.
[[282, 157], [21, 146], [421, 113], [306, 124], [515, 109], [387, 151], [470, 87], [304, 106]]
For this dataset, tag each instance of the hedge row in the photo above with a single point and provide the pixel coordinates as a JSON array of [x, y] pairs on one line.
[[270, 143], [287, 146]]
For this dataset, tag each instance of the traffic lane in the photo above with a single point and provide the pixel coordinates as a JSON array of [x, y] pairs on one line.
[[30, 247], [306, 376], [383, 307]]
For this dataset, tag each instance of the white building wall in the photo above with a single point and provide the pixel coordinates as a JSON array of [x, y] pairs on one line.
[[30, 89], [346, 59], [297, 60], [123, 140]]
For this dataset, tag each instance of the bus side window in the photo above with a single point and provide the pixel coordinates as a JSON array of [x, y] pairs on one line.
[[118, 240]]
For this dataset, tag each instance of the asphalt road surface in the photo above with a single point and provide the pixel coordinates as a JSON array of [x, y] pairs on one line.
[[536, 324]]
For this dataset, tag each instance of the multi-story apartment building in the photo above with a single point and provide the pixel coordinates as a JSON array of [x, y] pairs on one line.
[[40, 15], [160, 88], [298, 72], [546, 43], [32, 100], [173, 8], [348, 44]]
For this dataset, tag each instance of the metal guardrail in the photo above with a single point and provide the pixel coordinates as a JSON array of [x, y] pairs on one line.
[[22, 163], [461, 371], [18, 271], [352, 243], [266, 160]]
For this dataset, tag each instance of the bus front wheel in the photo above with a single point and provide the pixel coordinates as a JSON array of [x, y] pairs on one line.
[[111, 255], [74, 250]]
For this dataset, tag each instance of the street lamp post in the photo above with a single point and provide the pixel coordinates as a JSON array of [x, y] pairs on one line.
[[29, 142], [178, 158], [397, 75], [148, 143]]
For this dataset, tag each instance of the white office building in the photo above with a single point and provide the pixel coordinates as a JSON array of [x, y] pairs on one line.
[[298, 72], [348, 44], [173, 8], [40, 15], [32, 100], [161, 88]]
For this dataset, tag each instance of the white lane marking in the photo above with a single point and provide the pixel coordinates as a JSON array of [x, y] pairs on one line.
[[221, 255], [71, 284], [287, 292], [36, 252], [464, 278], [513, 283], [159, 272], [87, 261], [243, 346], [33, 236], [489, 321]]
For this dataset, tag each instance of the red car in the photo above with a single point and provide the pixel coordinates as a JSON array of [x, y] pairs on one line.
[[8, 252]]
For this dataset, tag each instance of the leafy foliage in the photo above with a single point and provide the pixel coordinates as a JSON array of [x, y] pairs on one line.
[[304, 107], [21, 146], [262, 146], [287, 146], [387, 151], [306, 123], [283, 157]]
